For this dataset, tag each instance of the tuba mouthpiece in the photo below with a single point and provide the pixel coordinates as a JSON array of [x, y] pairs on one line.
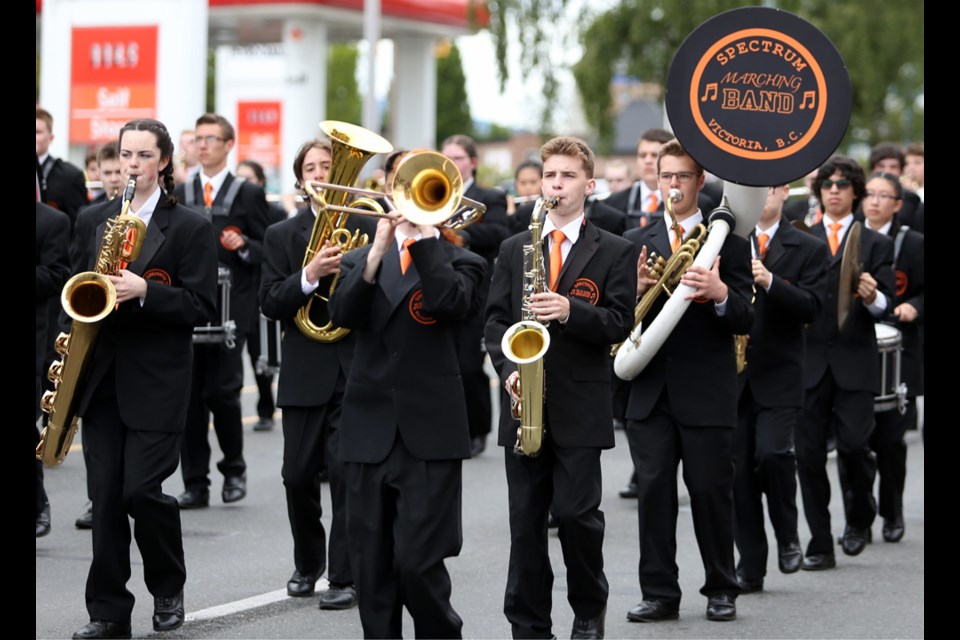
[[675, 195]]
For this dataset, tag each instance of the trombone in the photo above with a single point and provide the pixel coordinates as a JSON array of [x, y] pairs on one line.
[[427, 189]]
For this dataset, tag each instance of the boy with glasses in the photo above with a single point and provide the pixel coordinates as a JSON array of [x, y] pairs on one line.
[[842, 372]]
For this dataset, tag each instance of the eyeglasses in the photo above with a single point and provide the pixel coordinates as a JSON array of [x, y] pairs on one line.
[[208, 139], [682, 176], [841, 184], [879, 196]]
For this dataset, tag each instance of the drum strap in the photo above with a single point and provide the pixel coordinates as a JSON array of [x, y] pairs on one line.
[[222, 209], [898, 242]]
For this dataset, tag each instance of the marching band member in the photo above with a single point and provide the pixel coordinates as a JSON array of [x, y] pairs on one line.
[[589, 307], [132, 402], [789, 269], [404, 425], [683, 406], [310, 390], [884, 196], [841, 371], [238, 211]]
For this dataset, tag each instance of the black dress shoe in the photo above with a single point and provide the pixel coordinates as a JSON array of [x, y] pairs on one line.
[[589, 627], [477, 446], [43, 521], [789, 557], [854, 540], [168, 612], [618, 423], [629, 491], [103, 629], [85, 521], [722, 608], [194, 499], [301, 585], [747, 585], [653, 611], [893, 529], [338, 597], [818, 562], [264, 424], [234, 488]]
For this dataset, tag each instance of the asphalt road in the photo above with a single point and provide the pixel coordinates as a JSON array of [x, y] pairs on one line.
[[239, 558]]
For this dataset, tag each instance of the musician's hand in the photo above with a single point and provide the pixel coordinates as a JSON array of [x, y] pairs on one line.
[[905, 312], [128, 285], [549, 306], [644, 279], [510, 385], [867, 288], [386, 232], [761, 275], [706, 282], [324, 262], [231, 240]]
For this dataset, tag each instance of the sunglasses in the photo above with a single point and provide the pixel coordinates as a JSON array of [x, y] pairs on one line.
[[841, 184]]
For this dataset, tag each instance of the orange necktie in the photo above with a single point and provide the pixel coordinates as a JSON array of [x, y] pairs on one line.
[[654, 202], [677, 239], [834, 237], [762, 241], [208, 195], [405, 257], [556, 257]]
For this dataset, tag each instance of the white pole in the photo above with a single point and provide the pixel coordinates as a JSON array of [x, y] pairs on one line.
[[371, 34]]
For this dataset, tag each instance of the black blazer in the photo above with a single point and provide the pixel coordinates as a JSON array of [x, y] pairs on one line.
[[308, 377], [852, 355], [697, 362], [405, 380], [600, 214], [599, 277], [484, 237], [908, 273], [251, 215], [150, 346], [66, 188], [775, 352], [53, 268], [621, 200]]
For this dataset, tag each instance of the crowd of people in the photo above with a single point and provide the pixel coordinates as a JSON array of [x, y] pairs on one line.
[[366, 327]]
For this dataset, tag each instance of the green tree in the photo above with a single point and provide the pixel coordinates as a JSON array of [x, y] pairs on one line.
[[343, 97], [881, 43], [453, 108]]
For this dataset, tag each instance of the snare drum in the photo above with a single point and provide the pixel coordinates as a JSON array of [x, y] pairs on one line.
[[268, 362], [225, 331], [893, 392]]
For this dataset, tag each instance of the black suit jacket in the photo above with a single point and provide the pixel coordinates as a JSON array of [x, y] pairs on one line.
[[66, 188], [599, 277], [621, 200], [908, 272], [308, 377], [600, 214], [53, 268], [405, 380], [150, 346], [775, 352], [697, 363], [852, 355], [251, 215], [484, 237]]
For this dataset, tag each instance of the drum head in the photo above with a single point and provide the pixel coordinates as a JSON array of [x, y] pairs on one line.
[[758, 96], [887, 335]]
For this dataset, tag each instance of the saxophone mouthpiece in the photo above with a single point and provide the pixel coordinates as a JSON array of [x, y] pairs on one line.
[[675, 195], [130, 189], [551, 203]]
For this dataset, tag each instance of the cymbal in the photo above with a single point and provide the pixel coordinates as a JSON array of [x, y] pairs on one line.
[[850, 267]]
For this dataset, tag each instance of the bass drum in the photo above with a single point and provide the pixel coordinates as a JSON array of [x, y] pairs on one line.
[[893, 392]]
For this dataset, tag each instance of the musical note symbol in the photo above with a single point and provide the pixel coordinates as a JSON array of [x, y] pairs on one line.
[[809, 98], [711, 87]]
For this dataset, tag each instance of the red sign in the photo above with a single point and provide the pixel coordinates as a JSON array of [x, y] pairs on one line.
[[258, 134], [113, 79]]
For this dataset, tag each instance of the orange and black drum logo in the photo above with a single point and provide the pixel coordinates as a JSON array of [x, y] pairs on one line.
[[157, 275], [416, 309], [902, 282], [758, 96], [586, 289]]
